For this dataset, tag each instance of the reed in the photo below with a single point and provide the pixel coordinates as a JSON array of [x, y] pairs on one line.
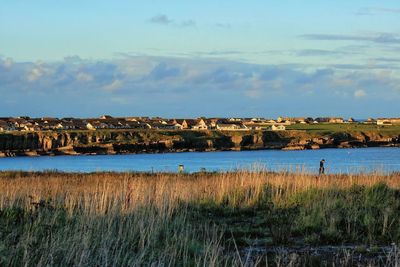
[[164, 219]]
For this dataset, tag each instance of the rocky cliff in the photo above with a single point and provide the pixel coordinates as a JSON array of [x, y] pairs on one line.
[[119, 142]]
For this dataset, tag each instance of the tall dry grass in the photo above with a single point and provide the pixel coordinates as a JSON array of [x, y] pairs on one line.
[[98, 193], [131, 219]]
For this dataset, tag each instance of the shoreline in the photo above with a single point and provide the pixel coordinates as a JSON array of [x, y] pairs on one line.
[[133, 173], [149, 142], [71, 152]]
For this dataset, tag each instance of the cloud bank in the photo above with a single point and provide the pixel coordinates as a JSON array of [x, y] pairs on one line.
[[380, 38], [184, 87]]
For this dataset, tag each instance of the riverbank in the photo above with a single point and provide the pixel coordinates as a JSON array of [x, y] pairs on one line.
[[210, 219], [110, 142]]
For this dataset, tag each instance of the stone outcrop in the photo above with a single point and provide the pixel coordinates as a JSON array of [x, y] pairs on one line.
[[134, 141]]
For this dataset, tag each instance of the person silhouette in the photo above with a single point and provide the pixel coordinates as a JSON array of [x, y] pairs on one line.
[[321, 167]]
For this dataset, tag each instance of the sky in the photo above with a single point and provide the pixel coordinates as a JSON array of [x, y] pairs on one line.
[[200, 58]]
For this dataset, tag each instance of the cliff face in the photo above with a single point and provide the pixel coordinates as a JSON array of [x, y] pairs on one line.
[[119, 142]]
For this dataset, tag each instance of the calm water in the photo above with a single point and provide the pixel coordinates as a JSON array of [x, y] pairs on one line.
[[337, 161]]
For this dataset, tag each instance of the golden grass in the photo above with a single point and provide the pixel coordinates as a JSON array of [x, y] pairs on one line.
[[127, 219], [98, 193]]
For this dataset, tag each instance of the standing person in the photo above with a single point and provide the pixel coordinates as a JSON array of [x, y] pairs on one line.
[[321, 167]]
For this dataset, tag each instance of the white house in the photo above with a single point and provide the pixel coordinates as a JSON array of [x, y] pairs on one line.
[[230, 127], [200, 125], [278, 128], [94, 125], [258, 126], [387, 121]]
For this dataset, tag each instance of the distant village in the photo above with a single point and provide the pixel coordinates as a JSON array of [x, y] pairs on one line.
[[28, 124]]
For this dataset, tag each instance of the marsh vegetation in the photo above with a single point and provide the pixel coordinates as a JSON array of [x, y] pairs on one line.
[[201, 219]]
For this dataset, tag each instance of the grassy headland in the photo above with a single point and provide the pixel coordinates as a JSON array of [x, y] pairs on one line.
[[208, 219]]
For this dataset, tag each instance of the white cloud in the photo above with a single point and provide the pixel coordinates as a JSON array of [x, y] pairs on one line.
[[84, 77], [38, 70], [115, 85], [35, 74], [8, 62], [360, 93]]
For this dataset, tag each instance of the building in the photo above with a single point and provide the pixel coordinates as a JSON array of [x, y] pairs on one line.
[[212, 122], [65, 125], [278, 127], [370, 121], [31, 128], [5, 127], [230, 126], [258, 126], [188, 123], [295, 120], [166, 126], [135, 125], [387, 121], [106, 117], [329, 120], [336, 120], [200, 125], [96, 125]]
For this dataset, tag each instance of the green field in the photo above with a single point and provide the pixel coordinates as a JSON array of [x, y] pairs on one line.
[[345, 127]]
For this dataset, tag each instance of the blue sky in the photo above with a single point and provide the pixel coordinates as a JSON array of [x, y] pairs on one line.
[[211, 58]]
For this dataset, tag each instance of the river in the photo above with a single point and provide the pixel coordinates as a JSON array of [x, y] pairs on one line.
[[337, 161]]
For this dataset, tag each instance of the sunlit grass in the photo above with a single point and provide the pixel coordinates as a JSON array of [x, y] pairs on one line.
[[127, 219]]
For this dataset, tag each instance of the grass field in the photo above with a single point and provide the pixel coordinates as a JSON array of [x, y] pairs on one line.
[[204, 219], [345, 127]]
